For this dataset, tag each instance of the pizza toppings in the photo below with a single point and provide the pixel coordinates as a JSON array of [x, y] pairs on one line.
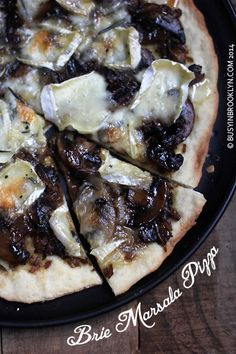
[[20, 186], [163, 91], [118, 47], [162, 140], [49, 45], [61, 107], [159, 116], [122, 84], [31, 10], [82, 7], [160, 26], [63, 228], [21, 126], [32, 207], [116, 200]]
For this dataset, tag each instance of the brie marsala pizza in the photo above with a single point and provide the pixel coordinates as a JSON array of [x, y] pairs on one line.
[[133, 78]]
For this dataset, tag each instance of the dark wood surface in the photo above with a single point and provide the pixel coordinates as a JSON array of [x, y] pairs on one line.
[[202, 321]]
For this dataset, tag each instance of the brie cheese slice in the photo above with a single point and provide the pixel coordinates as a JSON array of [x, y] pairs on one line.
[[117, 171], [50, 45], [83, 7], [118, 47], [163, 92], [80, 103], [20, 186], [63, 228], [21, 127]]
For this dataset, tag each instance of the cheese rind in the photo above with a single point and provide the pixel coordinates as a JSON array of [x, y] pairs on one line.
[[62, 226], [163, 91]]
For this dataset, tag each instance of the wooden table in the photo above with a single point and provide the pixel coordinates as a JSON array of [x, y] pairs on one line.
[[202, 321]]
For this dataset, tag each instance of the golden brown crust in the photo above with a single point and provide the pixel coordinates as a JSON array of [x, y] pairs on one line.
[[202, 50]]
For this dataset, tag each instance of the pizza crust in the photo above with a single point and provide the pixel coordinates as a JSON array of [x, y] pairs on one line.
[[201, 49], [46, 284], [189, 205]]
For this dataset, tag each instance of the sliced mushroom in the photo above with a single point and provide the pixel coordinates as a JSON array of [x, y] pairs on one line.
[[149, 17], [155, 203]]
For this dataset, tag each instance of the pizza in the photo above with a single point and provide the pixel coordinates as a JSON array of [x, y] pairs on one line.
[[106, 113]]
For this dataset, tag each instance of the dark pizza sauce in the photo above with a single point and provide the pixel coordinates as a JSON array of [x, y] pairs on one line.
[[161, 141]]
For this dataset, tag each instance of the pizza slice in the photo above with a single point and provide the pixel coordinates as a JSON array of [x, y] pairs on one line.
[[131, 219], [41, 257], [159, 114]]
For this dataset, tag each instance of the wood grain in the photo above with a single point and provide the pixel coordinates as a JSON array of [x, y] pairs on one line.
[[54, 340]]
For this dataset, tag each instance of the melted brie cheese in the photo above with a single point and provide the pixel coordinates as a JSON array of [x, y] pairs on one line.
[[21, 127], [116, 171], [163, 91], [49, 45], [63, 228], [29, 9], [118, 47], [20, 186], [200, 91], [80, 103], [105, 250], [28, 87], [83, 7]]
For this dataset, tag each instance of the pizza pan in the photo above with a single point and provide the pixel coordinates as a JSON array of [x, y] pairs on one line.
[[217, 187]]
